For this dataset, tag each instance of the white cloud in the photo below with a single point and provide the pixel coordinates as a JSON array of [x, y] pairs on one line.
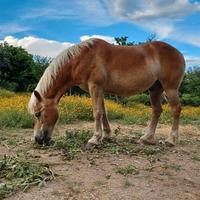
[[192, 60], [12, 28], [45, 47], [106, 38], [159, 16], [151, 10], [38, 46]]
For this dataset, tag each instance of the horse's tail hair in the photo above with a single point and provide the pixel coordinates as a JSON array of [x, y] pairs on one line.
[[164, 96]]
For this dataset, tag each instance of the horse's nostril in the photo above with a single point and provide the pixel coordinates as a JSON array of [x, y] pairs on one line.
[[39, 139]]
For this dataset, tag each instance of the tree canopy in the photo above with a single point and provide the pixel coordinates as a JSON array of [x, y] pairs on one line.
[[19, 71]]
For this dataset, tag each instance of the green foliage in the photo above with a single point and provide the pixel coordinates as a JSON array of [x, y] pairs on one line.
[[140, 98], [15, 119], [188, 99], [16, 68], [123, 41], [17, 173], [72, 143], [130, 169], [6, 93], [191, 82]]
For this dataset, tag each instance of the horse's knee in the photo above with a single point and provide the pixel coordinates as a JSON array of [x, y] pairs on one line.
[[176, 110], [157, 111], [98, 115]]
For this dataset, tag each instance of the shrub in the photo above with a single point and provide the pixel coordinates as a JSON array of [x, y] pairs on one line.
[[141, 98], [188, 99], [6, 93]]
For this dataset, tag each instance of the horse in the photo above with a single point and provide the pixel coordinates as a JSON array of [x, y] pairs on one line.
[[97, 66]]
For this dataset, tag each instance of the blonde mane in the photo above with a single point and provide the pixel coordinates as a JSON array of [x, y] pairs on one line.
[[52, 70]]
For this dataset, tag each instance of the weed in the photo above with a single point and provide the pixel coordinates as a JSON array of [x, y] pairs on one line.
[[17, 173], [196, 157], [130, 169], [72, 142], [174, 166]]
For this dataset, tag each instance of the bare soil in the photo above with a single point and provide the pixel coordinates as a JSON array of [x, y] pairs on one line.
[[174, 175]]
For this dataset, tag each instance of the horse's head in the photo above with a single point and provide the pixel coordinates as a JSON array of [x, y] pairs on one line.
[[46, 115]]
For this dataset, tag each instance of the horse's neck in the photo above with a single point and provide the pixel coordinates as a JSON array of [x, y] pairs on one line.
[[61, 83]]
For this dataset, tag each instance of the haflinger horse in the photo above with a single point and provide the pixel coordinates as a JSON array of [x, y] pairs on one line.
[[97, 67]]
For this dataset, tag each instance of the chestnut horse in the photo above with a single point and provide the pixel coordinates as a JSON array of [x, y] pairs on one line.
[[97, 67]]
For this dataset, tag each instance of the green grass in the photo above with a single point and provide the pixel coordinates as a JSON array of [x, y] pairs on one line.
[[73, 143], [196, 157], [130, 169], [6, 93], [16, 173], [16, 119]]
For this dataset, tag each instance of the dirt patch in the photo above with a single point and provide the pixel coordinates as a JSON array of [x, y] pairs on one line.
[[174, 174]]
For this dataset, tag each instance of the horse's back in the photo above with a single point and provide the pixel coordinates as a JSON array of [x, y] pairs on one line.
[[129, 70]]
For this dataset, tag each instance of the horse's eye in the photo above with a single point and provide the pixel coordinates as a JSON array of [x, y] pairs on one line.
[[38, 114]]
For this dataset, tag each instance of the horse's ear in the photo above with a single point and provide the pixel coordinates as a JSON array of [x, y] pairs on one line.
[[37, 95]]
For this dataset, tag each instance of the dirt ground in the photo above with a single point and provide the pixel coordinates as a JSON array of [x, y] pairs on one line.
[[174, 175]]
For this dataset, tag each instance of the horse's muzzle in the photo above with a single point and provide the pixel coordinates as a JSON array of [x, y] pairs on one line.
[[42, 138]]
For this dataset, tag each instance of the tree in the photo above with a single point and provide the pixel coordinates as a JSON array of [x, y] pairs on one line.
[[16, 68], [191, 82], [123, 41]]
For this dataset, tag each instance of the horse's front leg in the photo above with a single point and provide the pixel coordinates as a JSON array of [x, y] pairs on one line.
[[96, 93], [106, 125]]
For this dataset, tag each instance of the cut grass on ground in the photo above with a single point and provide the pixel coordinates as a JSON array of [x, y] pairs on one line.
[[16, 173]]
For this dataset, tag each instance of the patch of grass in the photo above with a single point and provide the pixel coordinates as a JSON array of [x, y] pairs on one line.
[[6, 93], [196, 157], [17, 173], [174, 166], [184, 142], [14, 112], [72, 142], [130, 169], [121, 146], [136, 134], [15, 119]]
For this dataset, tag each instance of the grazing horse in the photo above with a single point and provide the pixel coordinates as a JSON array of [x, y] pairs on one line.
[[97, 67]]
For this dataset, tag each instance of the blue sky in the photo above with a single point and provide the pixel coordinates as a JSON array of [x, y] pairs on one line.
[[46, 27]]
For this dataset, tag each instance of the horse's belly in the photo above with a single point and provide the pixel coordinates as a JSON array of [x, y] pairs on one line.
[[129, 84]]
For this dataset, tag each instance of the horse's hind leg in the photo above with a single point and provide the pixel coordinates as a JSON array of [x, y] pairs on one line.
[[174, 103], [97, 97], [155, 93]]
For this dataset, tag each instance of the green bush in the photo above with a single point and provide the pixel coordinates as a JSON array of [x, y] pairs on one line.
[[6, 93], [16, 119], [189, 100], [140, 98]]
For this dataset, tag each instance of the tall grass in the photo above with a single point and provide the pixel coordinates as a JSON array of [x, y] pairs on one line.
[[14, 112]]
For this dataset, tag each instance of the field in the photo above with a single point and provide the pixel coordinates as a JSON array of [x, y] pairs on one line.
[[119, 169]]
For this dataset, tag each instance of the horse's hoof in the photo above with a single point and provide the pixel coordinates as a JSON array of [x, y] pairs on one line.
[[145, 141], [169, 143], [90, 146]]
